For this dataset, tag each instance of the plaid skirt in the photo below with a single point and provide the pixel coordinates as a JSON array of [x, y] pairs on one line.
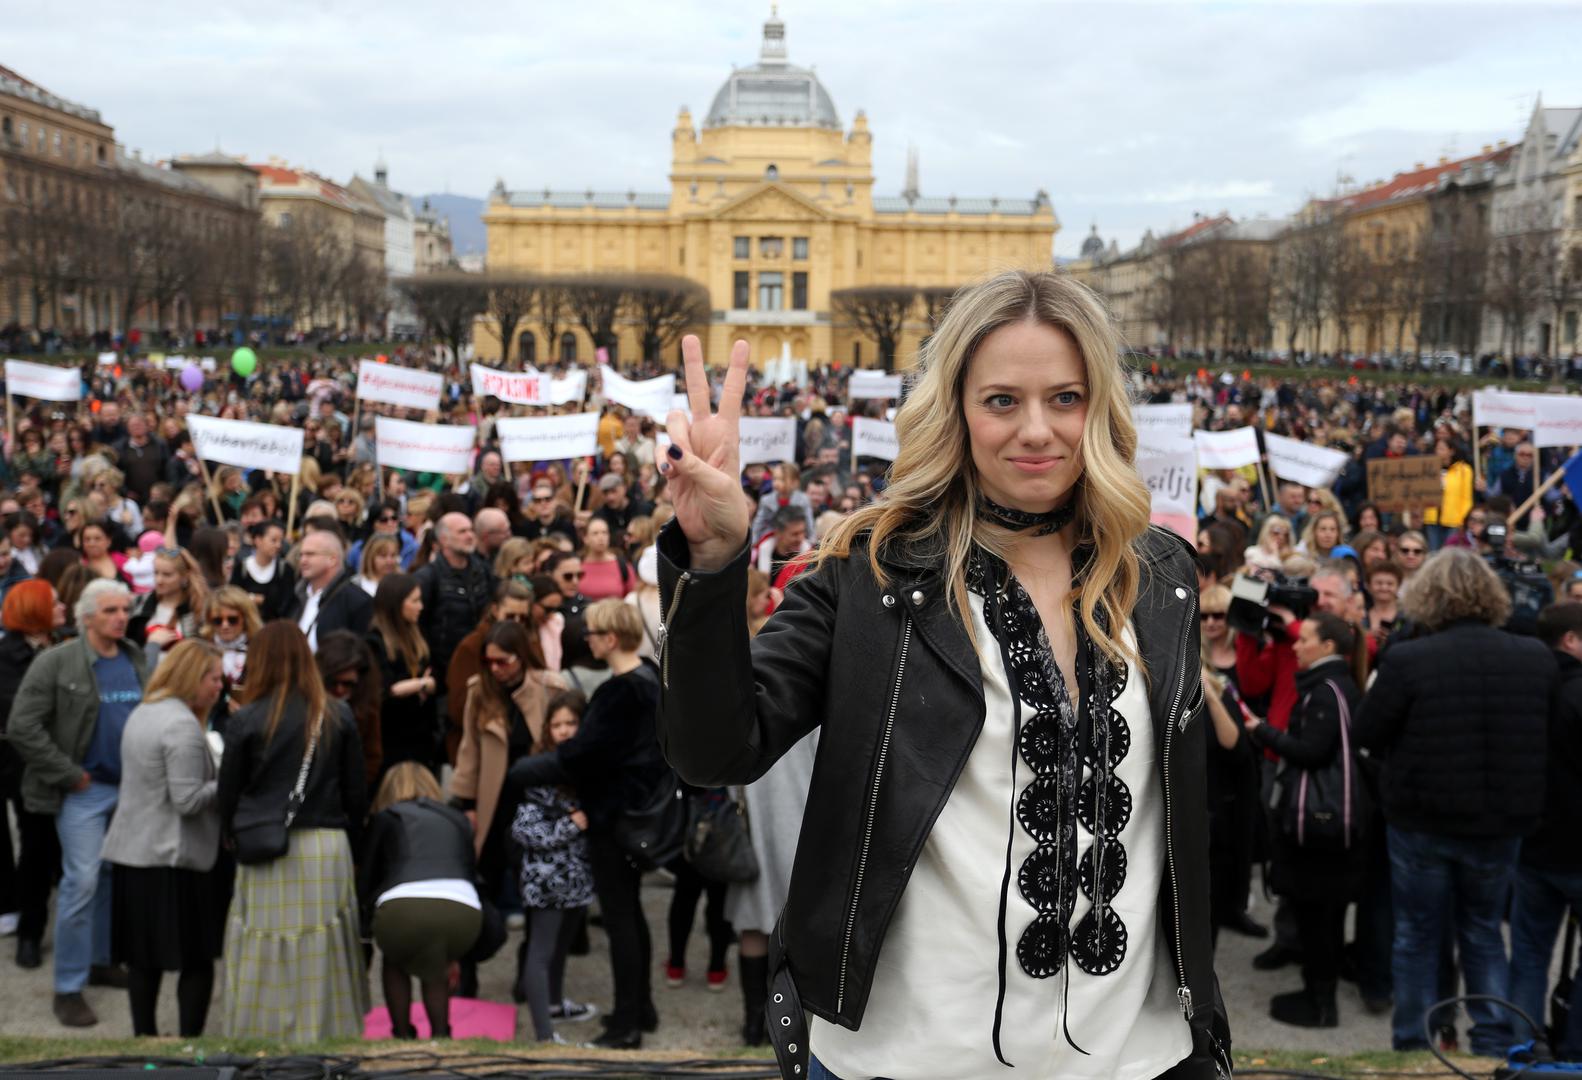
[[293, 962]]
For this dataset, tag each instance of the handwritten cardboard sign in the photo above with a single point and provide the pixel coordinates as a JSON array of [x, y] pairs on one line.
[[1409, 483]]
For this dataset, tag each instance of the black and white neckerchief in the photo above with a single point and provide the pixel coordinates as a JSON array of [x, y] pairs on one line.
[[1050, 521], [1074, 756]]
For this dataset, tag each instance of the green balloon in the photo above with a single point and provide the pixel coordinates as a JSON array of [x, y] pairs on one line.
[[244, 361]]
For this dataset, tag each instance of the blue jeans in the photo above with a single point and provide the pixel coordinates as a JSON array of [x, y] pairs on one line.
[[1436, 880], [817, 1071], [82, 907], [1542, 897]]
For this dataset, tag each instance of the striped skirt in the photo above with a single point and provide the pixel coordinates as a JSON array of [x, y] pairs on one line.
[[293, 962]]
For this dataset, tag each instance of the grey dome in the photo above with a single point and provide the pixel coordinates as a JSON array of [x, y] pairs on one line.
[[772, 92], [1092, 247]]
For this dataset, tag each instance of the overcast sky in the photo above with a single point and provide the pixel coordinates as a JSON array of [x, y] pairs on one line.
[[1131, 116]]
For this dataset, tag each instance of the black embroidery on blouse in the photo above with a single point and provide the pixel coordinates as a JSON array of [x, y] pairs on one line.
[[1058, 745]]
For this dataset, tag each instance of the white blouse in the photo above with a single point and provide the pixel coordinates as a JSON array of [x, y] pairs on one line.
[[930, 1012]]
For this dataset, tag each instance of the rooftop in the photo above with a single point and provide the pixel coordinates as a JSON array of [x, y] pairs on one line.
[[589, 199], [17, 86], [773, 92], [900, 204], [1420, 181]]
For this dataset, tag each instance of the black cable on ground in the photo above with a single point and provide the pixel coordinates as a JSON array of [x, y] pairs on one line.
[[1537, 1029]]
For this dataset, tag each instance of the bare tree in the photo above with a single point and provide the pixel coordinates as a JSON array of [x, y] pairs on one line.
[[664, 307], [1408, 282], [1564, 290], [509, 298], [447, 301], [878, 312], [595, 300], [552, 311], [1520, 267]]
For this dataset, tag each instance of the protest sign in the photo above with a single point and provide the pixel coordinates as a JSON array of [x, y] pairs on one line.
[[651, 397], [1559, 420], [107, 359], [1407, 483], [874, 384], [873, 438], [1154, 422], [517, 387], [1171, 476], [42, 381], [1504, 409], [1303, 463], [548, 438], [574, 387], [394, 385], [766, 439], [245, 444], [433, 448], [1226, 449]]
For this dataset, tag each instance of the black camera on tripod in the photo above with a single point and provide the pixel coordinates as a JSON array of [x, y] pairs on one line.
[[1252, 597]]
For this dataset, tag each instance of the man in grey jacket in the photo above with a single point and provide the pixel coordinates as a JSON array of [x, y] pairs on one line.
[[66, 724]]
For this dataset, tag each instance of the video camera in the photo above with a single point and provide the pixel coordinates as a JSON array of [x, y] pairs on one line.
[[1525, 581], [1252, 597]]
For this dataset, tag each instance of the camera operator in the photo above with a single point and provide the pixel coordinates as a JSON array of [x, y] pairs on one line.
[[1507, 554]]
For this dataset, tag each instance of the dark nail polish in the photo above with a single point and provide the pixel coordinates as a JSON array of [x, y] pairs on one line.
[[674, 451]]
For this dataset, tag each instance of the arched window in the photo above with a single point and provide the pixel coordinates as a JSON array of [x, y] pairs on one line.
[[527, 347], [568, 348], [772, 172], [614, 351]]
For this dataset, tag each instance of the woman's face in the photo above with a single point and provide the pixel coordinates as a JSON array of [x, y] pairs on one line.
[[503, 665], [95, 544], [1309, 647], [1279, 537], [209, 689], [758, 604], [227, 624], [1205, 543], [386, 562], [342, 684], [618, 464], [561, 726], [169, 578], [1368, 519], [233, 483], [346, 507], [1383, 588], [21, 537], [598, 537], [412, 606], [1326, 533], [58, 615], [1443, 453], [1214, 625], [1025, 399], [523, 567]]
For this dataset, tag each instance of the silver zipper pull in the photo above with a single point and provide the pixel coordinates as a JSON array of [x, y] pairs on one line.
[[1184, 999]]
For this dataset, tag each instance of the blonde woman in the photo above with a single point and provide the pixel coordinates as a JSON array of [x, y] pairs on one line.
[[1011, 548], [1324, 533], [381, 557], [514, 559], [174, 610], [230, 622], [1275, 538]]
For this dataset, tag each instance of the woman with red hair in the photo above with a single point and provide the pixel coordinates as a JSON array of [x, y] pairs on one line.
[[31, 615]]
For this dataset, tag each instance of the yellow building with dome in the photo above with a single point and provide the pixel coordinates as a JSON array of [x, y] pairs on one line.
[[771, 207]]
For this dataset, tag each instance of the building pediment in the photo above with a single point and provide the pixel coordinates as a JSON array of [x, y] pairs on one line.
[[770, 202]]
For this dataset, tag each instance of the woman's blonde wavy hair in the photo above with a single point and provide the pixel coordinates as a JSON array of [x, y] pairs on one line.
[[933, 487]]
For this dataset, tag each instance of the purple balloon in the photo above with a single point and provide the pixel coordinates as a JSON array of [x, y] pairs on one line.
[[192, 378]]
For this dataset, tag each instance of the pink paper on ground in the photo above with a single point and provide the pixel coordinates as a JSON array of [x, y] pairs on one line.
[[469, 1019]]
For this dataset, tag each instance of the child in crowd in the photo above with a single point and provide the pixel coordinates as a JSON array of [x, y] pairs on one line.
[[557, 879], [139, 568]]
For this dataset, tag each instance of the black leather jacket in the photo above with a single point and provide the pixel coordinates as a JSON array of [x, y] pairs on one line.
[[894, 673], [414, 840]]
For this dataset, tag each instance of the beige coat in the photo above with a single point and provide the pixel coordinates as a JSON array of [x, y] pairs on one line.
[[482, 758]]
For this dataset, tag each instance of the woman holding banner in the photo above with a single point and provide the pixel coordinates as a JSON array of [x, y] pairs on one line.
[[964, 646]]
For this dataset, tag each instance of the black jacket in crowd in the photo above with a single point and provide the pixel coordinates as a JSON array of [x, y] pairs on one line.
[[453, 602], [890, 678], [344, 606], [1557, 845], [278, 598], [258, 775], [415, 840], [1461, 717]]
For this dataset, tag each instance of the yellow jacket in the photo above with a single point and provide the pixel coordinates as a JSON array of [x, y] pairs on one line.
[[1456, 500]]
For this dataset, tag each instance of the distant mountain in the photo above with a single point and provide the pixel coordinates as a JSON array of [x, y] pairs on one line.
[[465, 215]]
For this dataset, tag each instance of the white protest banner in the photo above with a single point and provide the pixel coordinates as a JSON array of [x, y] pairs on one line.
[[434, 448], [682, 404], [107, 359], [874, 384], [574, 387], [398, 385], [207, 363], [1504, 409], [651, 397], [1559, 420], [1154, 422], [1171, 477], [873, 438], [42, 381], [245, 444], [768, 439], [1303, 463], [517, 387], [548, 438], [1226, 449], [175, 363]]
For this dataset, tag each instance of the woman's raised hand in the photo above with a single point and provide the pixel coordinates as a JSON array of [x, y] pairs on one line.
[[703, 461]]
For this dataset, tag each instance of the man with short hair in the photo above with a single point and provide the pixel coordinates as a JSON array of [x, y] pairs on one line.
[[543, 514], [493, 529], [328, 596], [66, 724], [457, 585], [783, 543], [142, 456], [617, 511], [1292, 499]]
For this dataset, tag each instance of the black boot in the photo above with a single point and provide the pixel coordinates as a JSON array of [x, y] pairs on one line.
[[754, 973], [1313, 1006]]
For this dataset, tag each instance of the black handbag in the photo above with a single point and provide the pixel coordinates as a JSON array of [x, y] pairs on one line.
[[718, 844], [266, 841], [653, 831], [1326, 809]]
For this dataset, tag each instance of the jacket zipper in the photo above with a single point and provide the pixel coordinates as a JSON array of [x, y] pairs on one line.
[[1183, 992], [664, 628], [873, 803]]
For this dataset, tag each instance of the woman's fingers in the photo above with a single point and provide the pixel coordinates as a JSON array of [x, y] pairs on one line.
[[697, 375], [680, 429], [735, 384]]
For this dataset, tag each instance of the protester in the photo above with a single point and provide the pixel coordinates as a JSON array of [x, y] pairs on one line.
[[169, 903], [409, 726], [173, 612], [351, 675], [513, 601], [456, 588], [263, 574], [327, 596]]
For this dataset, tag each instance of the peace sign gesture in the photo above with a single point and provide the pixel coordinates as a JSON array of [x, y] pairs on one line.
[[703, 462]]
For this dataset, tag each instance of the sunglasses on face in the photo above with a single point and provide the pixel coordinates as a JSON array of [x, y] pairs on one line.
[[1412, 550], [567, 575], [543, 498], [388, 519], [517, 617], [228, 620], [1205, 616]]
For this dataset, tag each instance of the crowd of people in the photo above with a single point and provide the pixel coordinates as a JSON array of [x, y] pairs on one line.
[[430, 702]]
